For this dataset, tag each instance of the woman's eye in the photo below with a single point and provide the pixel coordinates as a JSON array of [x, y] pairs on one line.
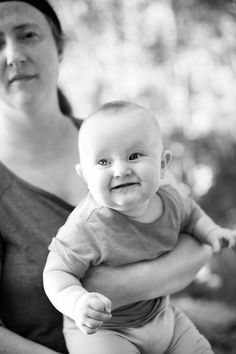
[[29, 36], [135, 156], [103, 162]]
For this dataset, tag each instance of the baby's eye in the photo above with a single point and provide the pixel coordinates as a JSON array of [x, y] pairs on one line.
[[135, 156], [103, 162]]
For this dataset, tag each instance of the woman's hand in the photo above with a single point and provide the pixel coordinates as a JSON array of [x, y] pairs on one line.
[[165, 275]]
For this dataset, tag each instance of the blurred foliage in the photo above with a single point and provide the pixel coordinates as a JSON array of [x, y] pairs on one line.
[[177, 58]]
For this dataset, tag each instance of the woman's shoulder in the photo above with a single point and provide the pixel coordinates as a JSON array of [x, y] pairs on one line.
[[5, 179], [77, 121]]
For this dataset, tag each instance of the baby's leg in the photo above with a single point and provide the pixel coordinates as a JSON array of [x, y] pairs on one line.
[[186, 338], [102, 342]]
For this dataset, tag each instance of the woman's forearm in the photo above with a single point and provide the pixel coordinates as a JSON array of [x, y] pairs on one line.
[[12, 343], [176, 269], [167, 274]]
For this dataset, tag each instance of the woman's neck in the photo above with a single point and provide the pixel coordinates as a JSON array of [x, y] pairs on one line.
[[41, 149], [30, 129]]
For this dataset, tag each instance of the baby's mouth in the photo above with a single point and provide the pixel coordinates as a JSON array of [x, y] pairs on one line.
[[124, 185]]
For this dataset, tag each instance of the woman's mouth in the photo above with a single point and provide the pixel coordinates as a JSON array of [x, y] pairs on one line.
[[21, 78]]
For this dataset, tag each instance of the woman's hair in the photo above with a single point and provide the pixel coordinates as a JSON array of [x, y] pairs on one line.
[[64, 104], [58, 35]]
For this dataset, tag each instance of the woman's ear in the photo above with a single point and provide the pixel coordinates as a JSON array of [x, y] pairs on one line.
[[165, 161]]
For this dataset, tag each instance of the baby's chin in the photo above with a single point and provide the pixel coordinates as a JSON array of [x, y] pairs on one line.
[[122, 199], [125, 205]]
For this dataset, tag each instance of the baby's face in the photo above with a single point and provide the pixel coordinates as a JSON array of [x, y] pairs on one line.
[[121, 158]]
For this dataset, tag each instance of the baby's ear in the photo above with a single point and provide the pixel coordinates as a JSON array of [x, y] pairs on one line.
[[79, 170], [165, 161]]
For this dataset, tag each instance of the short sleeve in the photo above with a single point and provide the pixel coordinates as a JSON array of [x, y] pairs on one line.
[[191, 213], [79, 247], [188, 211]]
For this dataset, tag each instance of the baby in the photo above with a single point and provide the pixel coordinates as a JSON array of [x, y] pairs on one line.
[[126, 217]]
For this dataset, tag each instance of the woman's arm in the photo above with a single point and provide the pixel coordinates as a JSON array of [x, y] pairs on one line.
[[167, 274], [12, 343]]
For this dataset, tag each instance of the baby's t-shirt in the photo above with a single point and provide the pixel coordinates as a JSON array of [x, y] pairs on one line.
[[94, 234]]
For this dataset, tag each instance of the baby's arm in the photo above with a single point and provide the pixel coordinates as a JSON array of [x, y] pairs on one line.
[[88, 309], [207, 231]]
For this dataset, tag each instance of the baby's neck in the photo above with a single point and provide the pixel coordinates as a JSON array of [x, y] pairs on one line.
[[147, 212]]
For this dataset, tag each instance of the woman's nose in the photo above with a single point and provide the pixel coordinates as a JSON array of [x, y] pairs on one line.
[[14, 54]]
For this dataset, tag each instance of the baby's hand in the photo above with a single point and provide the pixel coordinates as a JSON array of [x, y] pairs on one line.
[[220, 238], [91, 310]]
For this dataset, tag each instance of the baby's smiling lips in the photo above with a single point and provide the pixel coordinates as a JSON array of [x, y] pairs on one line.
[[124, 185]]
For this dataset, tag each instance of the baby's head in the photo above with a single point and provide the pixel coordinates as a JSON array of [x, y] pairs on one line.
[[122, 157]]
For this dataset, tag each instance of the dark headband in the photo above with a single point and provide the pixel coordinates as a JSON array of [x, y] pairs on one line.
[[45, 8]]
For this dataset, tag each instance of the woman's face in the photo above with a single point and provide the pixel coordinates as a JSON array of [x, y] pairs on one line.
[[28, 56]]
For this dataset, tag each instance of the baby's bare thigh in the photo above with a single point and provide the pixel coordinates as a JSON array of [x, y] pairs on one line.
[[102, 342]]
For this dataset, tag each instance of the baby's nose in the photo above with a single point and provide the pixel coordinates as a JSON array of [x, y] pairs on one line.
[[121, 169]]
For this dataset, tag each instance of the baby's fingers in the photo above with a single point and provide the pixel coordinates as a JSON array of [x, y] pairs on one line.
[[224, 243], [232, 241], [90, 326], [228, 241], [93, 320], [216, 245], [101, 303], [100, 316]]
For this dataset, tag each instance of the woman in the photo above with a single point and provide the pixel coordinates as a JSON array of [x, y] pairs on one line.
[[38, 148]]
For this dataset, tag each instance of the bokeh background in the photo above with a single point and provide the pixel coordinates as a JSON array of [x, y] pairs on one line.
[[178, 59]]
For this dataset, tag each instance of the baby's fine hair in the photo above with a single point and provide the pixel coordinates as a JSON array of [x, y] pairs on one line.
[[117, 106], [113, 107], [120, 106]]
